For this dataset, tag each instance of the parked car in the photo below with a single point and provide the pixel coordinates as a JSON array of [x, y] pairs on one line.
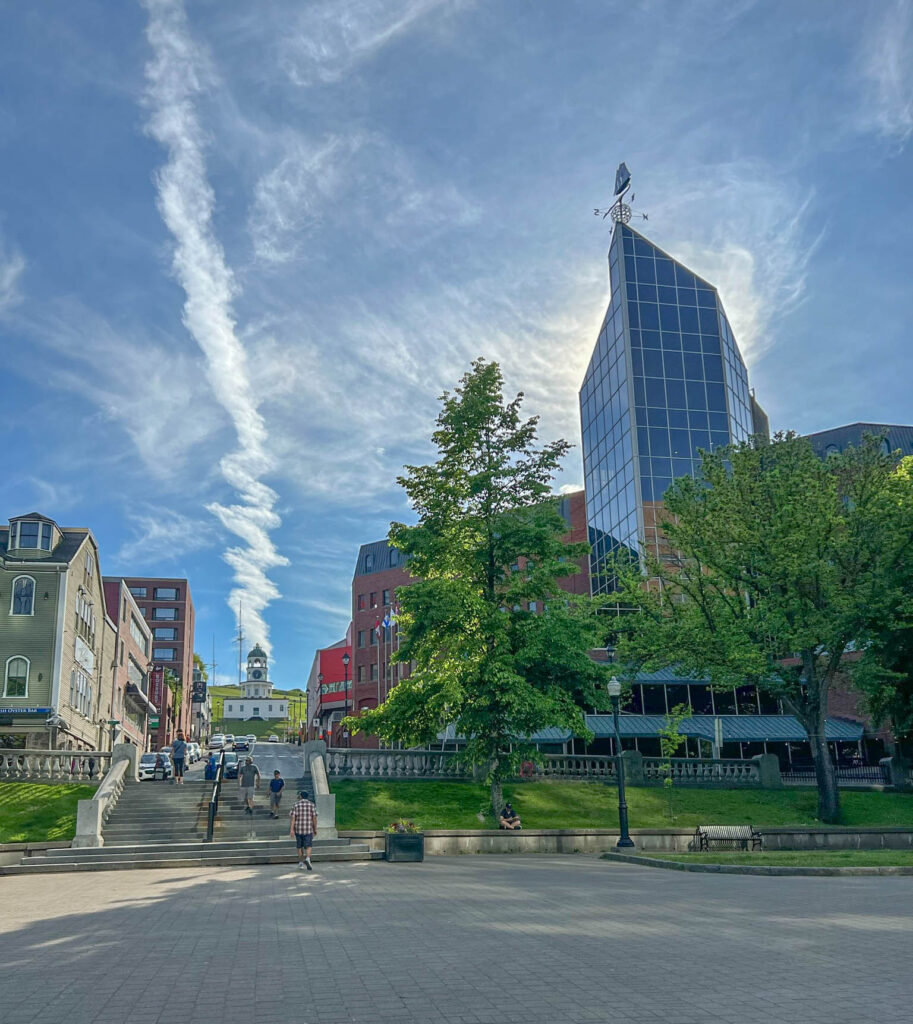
[[147, 766], [273, 738], [216, 742], [231, 766], [229, 741], [241, 743], [252, 738], [195, 751]]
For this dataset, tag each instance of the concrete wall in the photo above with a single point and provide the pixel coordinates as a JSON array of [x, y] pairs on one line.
[[447, 842]]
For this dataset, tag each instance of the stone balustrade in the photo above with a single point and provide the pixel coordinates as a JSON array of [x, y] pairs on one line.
[[576, 766], [31, 765], [702, 772], [761, 770], [394, 764]]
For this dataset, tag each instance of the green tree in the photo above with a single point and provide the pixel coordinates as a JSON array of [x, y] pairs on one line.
[[774, 566], [498, 649], [200, 666], [884, 673], [670, 743]]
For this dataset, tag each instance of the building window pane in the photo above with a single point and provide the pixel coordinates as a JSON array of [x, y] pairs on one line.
[[164, 654], [165, 613], [23, 596], [28, 535], [46, 536], [165, 594], [17, 678]]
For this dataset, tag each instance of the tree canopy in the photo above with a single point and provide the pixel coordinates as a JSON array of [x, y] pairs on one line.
[[773, 569], [498, 649]]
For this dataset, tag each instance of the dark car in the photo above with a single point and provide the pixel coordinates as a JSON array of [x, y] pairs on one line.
[[231, 766], [242, 743]]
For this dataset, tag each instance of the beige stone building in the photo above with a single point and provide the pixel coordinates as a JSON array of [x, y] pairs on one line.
[[58, 647]]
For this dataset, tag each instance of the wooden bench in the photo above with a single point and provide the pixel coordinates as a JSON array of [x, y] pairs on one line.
[[726, 837]]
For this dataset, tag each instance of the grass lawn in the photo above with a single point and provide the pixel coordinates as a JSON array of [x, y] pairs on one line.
[[811, 859], [32, 812], [372, 805]]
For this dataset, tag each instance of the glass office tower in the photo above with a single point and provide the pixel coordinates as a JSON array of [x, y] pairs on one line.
[[665, 379]]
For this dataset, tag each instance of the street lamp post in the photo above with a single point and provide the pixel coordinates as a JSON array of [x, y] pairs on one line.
[[345, 667], [320, 690], [624, 841]]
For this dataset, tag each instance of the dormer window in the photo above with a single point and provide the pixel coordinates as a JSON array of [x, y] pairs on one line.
[[29, 533]]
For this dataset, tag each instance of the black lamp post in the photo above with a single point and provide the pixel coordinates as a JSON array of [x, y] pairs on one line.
[[320, 692], [624, 841], [345, 666]]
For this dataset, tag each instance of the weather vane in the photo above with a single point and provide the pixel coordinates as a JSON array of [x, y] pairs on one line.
[[620, 210]]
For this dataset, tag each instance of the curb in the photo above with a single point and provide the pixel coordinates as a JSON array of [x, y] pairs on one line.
[[752, 869]]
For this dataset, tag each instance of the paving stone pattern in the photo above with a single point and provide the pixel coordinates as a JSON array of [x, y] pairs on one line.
[[471, 940]]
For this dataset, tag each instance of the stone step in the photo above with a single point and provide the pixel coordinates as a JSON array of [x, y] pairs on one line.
[[38, 865], [188, 847]]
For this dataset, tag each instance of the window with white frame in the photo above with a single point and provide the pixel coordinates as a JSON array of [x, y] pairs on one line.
[[16, 682], [80, 692], [23, 600], [85, 618]]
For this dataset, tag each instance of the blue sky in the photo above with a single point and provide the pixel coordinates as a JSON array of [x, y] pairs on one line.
[[244, 247]]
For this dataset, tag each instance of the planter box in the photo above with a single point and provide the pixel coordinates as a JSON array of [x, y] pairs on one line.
[[405, 846]]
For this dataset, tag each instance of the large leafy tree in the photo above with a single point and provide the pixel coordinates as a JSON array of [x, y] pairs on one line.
[[774, 566], [884, 672], [498, 649]]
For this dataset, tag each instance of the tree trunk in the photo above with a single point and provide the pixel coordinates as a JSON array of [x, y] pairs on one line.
[[825, 775], [497, 796]]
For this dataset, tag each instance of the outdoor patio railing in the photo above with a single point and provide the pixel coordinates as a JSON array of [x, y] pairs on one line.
[[31, 765], [703, 771]]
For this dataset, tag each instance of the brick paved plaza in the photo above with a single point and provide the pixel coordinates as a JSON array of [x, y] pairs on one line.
[[469, 940]]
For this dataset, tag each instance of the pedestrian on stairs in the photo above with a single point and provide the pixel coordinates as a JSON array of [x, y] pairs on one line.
[[276, 785], [303, 825], [248, 778], [178, 753]]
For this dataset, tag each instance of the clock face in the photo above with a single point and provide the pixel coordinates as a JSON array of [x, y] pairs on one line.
[[256, 673]]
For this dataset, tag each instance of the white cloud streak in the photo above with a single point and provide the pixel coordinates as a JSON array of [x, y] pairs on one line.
[[328, 39], [887, 72], [185, 200], [160, 535], [12, 264]]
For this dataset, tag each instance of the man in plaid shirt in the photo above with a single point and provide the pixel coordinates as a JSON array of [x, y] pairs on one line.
[[303, 825]]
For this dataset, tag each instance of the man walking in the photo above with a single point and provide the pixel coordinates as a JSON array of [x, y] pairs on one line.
[[303, 825], [178, 753], [248, 778], [276, 785]]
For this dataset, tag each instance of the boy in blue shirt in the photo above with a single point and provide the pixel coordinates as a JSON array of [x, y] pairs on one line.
[[275, 793]]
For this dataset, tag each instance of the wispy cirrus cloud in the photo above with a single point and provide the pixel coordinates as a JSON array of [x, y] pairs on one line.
[[327, 39], [162, 535], [175, 77], [886, 67], [12, 265], [363, 173]]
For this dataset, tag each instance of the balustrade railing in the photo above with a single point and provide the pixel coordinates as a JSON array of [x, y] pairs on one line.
[[393, 764], [702, 772], [576, 766], [31, 765]]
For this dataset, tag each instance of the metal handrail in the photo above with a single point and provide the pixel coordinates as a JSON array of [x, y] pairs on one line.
[[214, 799]]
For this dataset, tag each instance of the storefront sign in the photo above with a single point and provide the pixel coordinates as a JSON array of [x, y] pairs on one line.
[[157, 685], [25, 711]]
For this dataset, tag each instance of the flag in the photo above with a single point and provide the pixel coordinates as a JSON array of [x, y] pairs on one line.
[[387, 621], [377, 627]]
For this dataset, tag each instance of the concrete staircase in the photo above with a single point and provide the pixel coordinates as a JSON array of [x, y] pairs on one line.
[[157, 824]]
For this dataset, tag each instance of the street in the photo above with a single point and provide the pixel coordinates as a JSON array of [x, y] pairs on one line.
[[486, 940], [287, 757]]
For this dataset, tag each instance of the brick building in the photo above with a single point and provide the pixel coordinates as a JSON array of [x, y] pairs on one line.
[[167, 607], [379, 570], [329, 691], [131, 653]]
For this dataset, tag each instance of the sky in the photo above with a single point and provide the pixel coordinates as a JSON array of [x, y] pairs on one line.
[[244, 247]]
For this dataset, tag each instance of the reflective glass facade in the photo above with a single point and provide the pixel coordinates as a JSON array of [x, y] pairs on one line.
[[666, 378]]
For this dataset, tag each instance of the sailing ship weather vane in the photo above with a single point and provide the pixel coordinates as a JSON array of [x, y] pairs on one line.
[[620, 211]]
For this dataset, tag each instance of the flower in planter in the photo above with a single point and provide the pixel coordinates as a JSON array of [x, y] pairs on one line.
[[401, 825]]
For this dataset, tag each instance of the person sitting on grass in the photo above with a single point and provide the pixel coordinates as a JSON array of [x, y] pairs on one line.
[[509, 819]]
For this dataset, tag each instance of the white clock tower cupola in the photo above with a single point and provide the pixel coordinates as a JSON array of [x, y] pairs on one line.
[[257, 683]]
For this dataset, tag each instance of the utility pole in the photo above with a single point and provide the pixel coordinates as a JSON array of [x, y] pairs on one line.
[[240, 642], [212, 675]]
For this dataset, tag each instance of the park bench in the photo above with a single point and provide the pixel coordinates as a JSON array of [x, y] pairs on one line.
[[727, 837]]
